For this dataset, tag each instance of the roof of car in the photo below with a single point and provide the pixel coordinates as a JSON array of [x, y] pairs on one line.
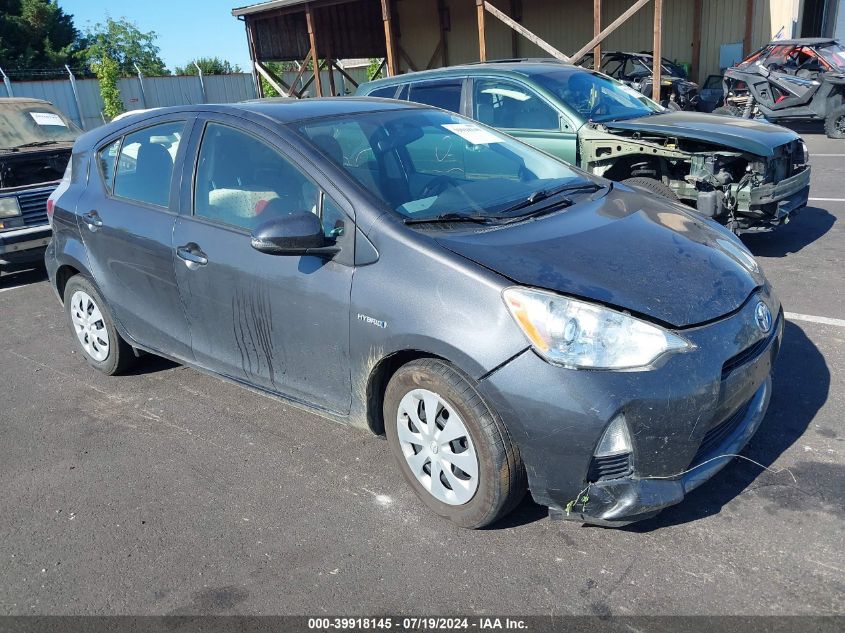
[[806, 41], [22, 100], [518, 66]]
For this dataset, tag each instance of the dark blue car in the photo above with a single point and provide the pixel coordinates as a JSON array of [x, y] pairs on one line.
[[508, 321]]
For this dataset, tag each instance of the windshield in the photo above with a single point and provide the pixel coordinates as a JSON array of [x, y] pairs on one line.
[[834, 55], [30, 123], [427, 163], [596, 97]]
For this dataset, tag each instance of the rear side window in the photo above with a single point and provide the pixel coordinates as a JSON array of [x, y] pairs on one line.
[[145, 164], [107, 160], [384, 93], [444, 94]]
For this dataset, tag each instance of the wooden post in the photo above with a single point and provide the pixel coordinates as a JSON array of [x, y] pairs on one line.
[[251, 43], [749, 27], [516, 26], [392, 70], [696, 41], [516, 15], [444, 18], [657, 53], [315, 56], [596, 31], [482, 44], [300, 72], [610, 28]]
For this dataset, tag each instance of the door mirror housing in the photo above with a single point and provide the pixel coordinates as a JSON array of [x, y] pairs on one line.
[[298, 233]]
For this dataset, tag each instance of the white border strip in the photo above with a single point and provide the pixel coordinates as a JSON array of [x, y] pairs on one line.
[[794, 316], [827, 155], [13, 287], [826, 199]]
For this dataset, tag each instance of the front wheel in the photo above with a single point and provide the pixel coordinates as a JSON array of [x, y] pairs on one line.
[[728, 110], [654, 186], [834, 124], [452, 448], [94, 329]]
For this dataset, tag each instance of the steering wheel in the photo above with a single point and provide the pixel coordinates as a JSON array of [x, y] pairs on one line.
[[438, 185]]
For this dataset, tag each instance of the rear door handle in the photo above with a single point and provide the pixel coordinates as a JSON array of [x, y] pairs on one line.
[[92, 219], [192, 255]]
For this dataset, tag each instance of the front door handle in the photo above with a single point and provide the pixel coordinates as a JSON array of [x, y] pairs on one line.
[[192, 255], [92, 219]]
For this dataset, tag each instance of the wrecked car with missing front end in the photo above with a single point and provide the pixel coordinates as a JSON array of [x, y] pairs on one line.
[[752, 182], [747, 175], [35, 147]]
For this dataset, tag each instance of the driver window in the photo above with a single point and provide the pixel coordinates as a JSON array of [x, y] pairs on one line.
[[505, 104], [242, 181]]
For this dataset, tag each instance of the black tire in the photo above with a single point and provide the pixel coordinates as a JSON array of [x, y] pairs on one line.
[[728, 110], [672, 105], [834, 124], [120, 355], [501, 474], [653, 186]]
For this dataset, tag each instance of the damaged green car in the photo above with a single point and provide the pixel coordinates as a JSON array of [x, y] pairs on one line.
[[748, 175]]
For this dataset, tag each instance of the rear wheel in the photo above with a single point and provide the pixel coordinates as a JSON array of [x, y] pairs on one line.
[[834, 124], [653, 186], [451, 447], [93, 328], [728, 110]]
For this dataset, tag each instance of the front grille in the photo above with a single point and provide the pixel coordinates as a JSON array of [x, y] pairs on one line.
[[747, 355], [34, 206], [719, 433], [612, 467]]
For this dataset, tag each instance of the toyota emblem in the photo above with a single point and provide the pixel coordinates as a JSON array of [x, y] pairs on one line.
[[763, 316]]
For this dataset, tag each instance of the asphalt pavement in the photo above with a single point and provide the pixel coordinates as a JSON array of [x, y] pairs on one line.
[[171, 492]]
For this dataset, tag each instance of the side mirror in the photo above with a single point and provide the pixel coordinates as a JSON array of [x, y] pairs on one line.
[[295, 234]]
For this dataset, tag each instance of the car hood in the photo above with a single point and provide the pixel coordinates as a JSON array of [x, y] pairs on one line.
[[747, 135], [626, 250]]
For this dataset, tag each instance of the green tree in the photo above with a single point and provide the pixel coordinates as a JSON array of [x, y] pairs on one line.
[[108, 71], [124, 43], [209, 66], [35, 34]]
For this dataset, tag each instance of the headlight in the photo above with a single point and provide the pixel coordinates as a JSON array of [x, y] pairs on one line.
[[582, 335], [806, 152], [9, 207]]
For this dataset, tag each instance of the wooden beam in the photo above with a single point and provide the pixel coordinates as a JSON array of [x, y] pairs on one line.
[[696, 41], [312, 36], [444, 18], [309, 82], [596, 31], [407, 58], [598, 39], [389, 43], [299, 73], [657, 51], [437, 51], [749, 27], [252, 56], [277, 82], [516, 26], [482, 41], [345, 74]]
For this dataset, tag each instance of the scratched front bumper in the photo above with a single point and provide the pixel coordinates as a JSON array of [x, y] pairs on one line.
[[557, 416]]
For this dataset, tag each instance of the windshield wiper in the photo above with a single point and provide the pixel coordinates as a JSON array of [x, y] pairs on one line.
[[38, 143], [449, 218], [544, 194]]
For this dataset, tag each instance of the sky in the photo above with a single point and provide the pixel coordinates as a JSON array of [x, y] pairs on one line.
[[186, 28]]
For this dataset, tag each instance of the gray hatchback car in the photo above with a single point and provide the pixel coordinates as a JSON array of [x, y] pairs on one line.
[[508, 321]]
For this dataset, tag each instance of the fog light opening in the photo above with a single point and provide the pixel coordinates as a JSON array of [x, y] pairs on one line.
[[616, 439]]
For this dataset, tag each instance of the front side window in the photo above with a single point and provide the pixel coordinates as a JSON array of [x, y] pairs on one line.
[[243, 181], [444, 94], [145, 165], [424, 163], [505, 104]]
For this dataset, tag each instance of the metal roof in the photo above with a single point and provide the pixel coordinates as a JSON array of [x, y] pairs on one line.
[[266, 6]]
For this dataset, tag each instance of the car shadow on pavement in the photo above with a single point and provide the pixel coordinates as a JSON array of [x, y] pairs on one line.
[[801, 385], [810, 224], [150, 364], [22, 277]]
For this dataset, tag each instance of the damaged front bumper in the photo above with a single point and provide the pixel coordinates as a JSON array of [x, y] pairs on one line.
[[773, 204], [685, 417]]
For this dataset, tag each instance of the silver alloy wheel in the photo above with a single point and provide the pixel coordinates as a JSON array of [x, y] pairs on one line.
[[89, 326], [437, 447]]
